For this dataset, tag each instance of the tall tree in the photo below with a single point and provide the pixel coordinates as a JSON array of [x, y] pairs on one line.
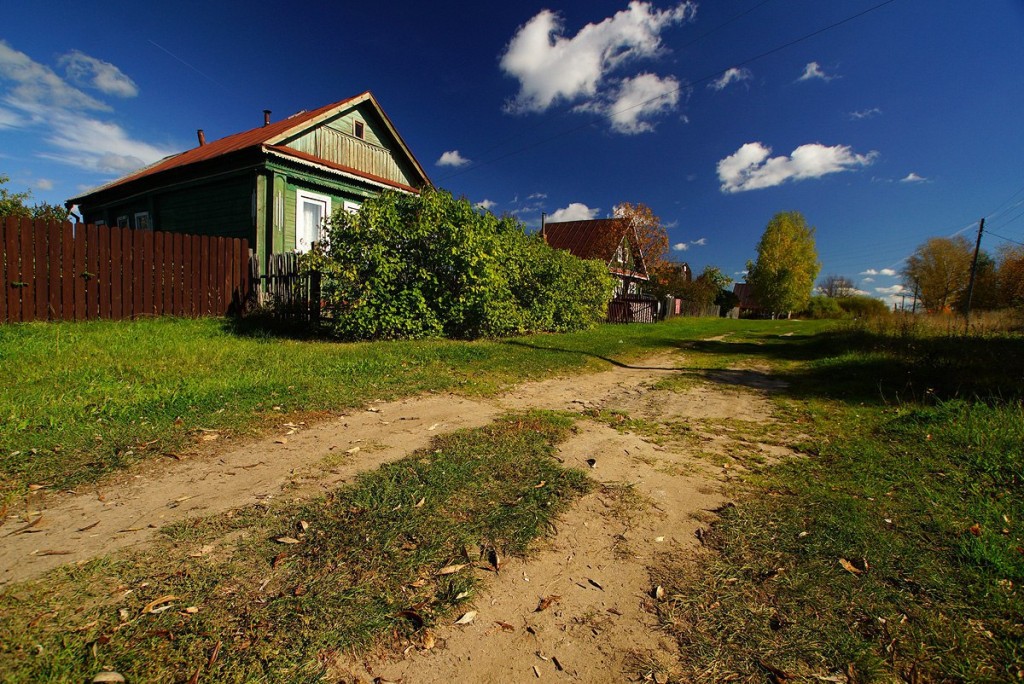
[[15, 204], [787, 264], [651, 234], [1010, 275], [940, 270], [836, 286]]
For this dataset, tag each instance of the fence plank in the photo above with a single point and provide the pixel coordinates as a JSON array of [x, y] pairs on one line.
[[148, 279], [79, 274], [116, 274], [127, 270], [204, 275], [138, 261], [167, 307], [221, 264], [9, 255], [53, 266], [67, 275], [92, 269], [27, 272], [188, 292], [180, 268], [103, 253], [40, 282]]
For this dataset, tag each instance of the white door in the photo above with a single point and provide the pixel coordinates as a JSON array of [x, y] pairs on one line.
[[311, 210]]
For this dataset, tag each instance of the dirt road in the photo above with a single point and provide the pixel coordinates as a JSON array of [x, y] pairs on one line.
[[657, 486]]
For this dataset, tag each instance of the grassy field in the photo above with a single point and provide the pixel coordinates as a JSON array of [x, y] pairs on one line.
[[891, 550], [90, 398], [894, 551]]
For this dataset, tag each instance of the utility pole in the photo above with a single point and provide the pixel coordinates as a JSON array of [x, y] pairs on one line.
[[974, 271]]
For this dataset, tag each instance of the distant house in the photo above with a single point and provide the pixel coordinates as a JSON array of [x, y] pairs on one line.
[[274, 184], [748, 306], [612, 241]]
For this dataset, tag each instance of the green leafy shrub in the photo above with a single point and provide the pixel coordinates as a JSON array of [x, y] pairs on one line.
[[821, 306], [428, 265], [859, 306]]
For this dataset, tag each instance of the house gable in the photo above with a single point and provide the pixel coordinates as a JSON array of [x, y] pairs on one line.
[[609, 240]]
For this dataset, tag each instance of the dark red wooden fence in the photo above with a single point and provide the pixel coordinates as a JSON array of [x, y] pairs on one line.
[[52, 271]]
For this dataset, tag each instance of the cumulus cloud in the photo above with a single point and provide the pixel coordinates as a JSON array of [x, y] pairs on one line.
[[869, 280], [552, 67], [913, 178], [684, 246], [892, 290], [89, 72], [873, 272], [43, 184], [37, 98], [814, 72], [750, 167], [636, 100], [865, 114], [576, 211], [452, 158], [732, 75], [485, 204]]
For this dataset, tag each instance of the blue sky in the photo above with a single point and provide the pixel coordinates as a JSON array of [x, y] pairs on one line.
[[901, 124]]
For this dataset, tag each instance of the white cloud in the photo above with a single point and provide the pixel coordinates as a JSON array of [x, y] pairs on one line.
[[732, 75], [869, 272], [913, 178], [865, 114], [884, 272], [576, 211], [750, 167], [892, 290], [43, 184], [813, 71], [537, 196], [90, 72], [635, 100], [684, 246], [40, 99], [869, 280], [452, 158], [887, 272], [485, 204], [552, 67]]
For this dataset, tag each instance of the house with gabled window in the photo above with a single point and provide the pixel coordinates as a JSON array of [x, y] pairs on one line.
[[612, 241], [275, 184]]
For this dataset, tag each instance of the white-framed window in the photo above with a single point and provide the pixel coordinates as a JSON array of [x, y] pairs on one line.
[[311, 210], [351, 207], [142, 221], [122, 221]]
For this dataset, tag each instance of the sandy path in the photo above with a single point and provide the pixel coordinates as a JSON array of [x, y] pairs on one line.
[[599, 629]]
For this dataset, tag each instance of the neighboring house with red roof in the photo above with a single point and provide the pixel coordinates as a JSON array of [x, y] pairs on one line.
[[273, 185], [612, 241], [748, 305]]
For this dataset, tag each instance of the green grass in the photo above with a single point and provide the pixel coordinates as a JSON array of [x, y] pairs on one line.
[[914, 474], [364, 570], [88, 399]]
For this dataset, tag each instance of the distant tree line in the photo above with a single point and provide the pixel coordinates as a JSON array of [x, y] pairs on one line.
[[17, 204]]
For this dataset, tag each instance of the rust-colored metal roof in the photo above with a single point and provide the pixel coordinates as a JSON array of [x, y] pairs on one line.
[[266, 136], [593, 239]]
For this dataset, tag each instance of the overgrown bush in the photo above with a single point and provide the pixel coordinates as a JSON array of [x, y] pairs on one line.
[[856, 306], [428, 265], [821, 306]]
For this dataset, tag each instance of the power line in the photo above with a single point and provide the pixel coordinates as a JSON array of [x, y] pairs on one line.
[[1003, 237], [611, 114]]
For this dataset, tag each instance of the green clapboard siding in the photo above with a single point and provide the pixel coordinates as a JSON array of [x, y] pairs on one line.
[[220, 208]]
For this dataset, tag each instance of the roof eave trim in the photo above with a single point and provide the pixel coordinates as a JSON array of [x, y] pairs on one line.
[[330, 169]]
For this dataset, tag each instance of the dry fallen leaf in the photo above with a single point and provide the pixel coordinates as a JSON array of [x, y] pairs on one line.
[[26, 528], [975, 529], [281, 440], [450, 569], [466, 618], [160, 601], [547, 602], [418, 583], [593, 583], [505, 627], [107, 677], [659, 592], [353, 450], [429, 641], [850, 567], [542, 483], [304, 525], [419, 504], [536, 672], [287, 540]]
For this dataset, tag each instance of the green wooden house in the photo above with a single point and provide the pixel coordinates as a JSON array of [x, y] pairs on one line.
[[273, 185]]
